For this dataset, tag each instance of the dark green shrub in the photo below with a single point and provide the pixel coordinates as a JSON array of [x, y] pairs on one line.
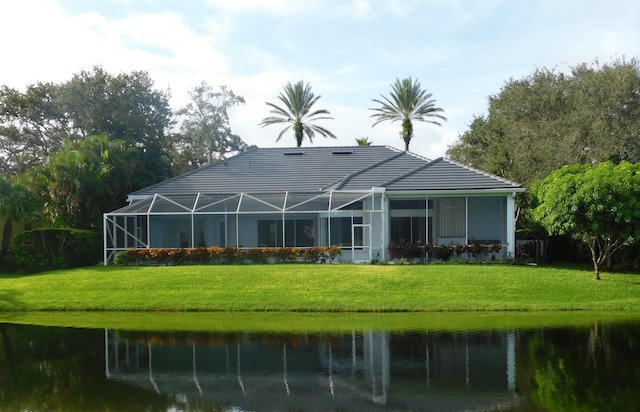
[[56, 248], [121, 259]]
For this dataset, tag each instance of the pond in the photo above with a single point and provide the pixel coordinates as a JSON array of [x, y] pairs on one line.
[[590, 364]]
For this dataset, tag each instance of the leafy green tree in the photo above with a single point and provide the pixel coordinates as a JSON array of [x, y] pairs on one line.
[[597, 204], [85, 179], [206, 135], [408, 102], [298, 100], [32, 126], [126, 107], [17, 203], [549, 119]]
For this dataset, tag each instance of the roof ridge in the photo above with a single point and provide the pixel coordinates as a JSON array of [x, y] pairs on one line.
[[344, 180], [473, 169], [410, 172]]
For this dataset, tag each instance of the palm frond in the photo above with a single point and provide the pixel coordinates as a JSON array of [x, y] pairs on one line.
[[407, 102], [298, 100]]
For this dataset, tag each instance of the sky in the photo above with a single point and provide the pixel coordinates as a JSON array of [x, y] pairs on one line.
[[349, 51]]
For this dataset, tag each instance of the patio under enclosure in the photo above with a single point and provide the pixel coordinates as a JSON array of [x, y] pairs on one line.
[[361, 223]]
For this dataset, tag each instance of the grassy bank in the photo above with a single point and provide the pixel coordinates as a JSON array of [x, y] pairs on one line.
[[320, 288]]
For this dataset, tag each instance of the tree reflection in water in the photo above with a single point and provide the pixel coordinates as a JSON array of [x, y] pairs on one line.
[[596, 368]]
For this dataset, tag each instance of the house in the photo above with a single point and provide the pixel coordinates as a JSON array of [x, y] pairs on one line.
[[359, 198]]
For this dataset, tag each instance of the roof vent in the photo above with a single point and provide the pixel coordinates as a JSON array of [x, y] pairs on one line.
[[344, 152], [293, 153]]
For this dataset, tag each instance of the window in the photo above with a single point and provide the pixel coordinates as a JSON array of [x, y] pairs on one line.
[[298, 233], [410, 229], [269, 233]]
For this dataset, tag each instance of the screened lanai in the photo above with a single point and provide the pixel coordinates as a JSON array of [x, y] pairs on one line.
[[250, 220]]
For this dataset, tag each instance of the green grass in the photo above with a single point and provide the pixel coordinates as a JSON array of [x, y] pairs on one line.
[[321, 288]]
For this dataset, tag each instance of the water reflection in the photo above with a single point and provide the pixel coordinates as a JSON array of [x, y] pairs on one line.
[[357, 370], [570, 368]]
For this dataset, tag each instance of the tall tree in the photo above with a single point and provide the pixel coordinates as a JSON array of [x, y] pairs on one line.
[[597, 204], [35, 123], [206, 135], [548, 119], [32, 126], [407, 103], [298, 101]]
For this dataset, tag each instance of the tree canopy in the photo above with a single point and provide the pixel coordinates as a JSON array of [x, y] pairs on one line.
[[85, 179], [205, 133], [550, 119], [597, 204], [407, 102], [298, 100], [35, 123]]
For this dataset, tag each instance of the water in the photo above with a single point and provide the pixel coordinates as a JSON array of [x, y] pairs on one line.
[[592, 366]]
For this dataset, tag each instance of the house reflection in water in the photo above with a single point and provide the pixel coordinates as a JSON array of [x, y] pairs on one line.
[[356, 371]]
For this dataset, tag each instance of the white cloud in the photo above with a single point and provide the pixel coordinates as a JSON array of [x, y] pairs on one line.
[[278, 7], [350, 52]]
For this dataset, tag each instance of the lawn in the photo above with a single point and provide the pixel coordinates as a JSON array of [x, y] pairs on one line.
[[321, 288]]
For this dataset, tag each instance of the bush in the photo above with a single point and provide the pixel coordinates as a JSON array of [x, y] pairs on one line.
[[215, 253], [333, 252], [443, 252], [286, 254], [57, 248], [233, 254], [314, 254], [258, 255], [121, 259], [198, 255]]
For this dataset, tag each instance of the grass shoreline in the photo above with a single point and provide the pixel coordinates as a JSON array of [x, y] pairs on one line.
[[320, 288]]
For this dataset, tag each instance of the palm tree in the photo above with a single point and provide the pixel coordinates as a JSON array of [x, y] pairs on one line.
[[363, 141], [408, 102], [298, 99]]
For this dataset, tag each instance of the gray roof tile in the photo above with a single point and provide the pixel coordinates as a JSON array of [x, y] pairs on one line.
[[311, 169]]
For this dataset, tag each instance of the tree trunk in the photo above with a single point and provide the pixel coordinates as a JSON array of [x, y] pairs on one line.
[[7, 231], [596, 269], [299, 137]]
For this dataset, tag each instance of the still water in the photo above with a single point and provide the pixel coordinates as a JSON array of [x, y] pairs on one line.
[[586, 367]]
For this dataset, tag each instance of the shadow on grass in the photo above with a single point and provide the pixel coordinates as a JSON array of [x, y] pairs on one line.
[[10, 300]]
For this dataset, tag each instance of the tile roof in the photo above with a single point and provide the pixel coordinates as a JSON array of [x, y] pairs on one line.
[[312, 169]]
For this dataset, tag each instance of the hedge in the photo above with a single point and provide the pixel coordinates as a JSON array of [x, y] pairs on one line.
[[217, 254], [57, 248]]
